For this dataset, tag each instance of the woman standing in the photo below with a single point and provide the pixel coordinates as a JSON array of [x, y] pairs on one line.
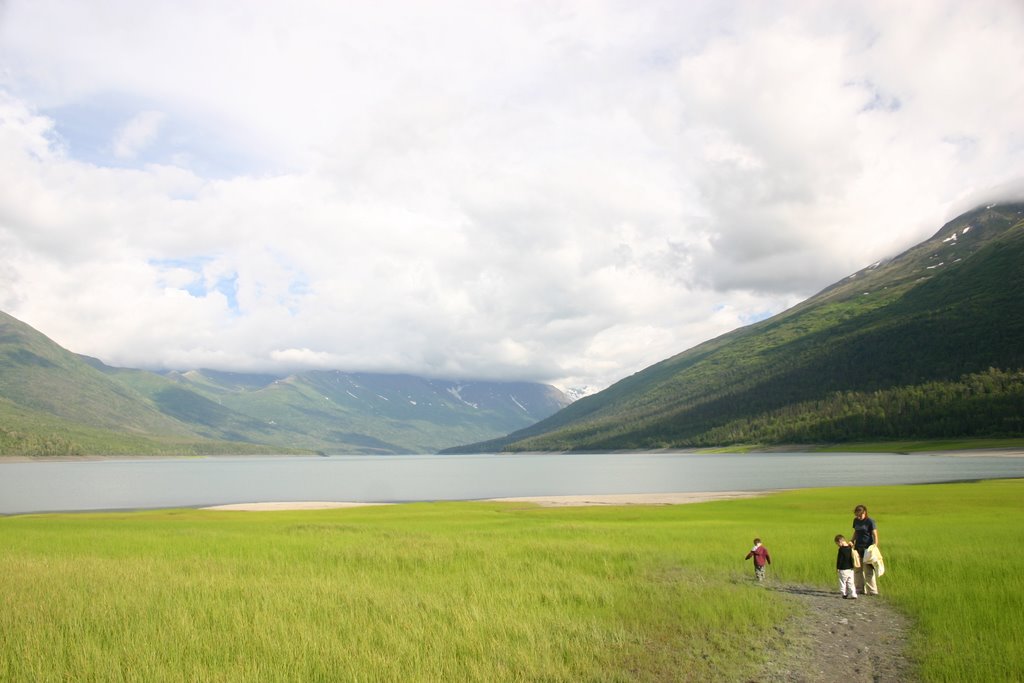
[[865, 533]]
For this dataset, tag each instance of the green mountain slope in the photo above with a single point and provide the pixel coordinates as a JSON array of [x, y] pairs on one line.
[[54, 402], [339, 412], [926, 345], [39, 375], [202, 415]]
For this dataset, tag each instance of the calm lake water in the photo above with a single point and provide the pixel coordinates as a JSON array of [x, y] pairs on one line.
[[186, 482]]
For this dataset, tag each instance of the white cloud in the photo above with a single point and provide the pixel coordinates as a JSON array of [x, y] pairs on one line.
[[560, 192], [305, 358], [137, 134]]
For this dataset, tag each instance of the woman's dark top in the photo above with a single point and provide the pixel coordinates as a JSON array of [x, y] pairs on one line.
[[862, 533]]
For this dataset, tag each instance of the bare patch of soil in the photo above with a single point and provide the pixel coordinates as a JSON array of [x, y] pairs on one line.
[[832, 639]]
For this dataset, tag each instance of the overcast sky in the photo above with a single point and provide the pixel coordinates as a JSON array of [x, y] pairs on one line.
[[563, 192]]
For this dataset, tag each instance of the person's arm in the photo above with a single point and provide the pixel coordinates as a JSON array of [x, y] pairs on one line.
[[874, 533]]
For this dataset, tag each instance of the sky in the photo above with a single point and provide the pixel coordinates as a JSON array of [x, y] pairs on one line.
[[562, 192]]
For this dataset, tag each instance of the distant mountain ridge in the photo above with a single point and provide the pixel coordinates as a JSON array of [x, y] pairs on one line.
[[927, 344], [367, 412], [54, 402]]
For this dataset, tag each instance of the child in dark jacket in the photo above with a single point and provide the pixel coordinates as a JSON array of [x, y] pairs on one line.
[[761, 558], [845, 564]]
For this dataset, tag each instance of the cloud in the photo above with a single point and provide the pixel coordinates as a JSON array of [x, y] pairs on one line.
[[305, 358], [137, 134], [537, 191], [805, 127]]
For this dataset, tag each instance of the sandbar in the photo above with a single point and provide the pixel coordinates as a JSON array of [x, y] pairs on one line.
[[295, 505], [543, 501], [633, 498]]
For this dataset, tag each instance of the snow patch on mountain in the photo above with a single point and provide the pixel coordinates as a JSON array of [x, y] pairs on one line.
[[456, 391]]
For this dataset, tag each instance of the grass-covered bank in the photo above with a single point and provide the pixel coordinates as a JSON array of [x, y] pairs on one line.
[[996, 447], [478, 591], [953, 446]]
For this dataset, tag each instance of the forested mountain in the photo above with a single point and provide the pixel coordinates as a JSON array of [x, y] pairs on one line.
[[54, 402], [925, 345]]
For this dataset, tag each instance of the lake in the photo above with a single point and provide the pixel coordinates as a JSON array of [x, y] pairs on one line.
[[120, 483]]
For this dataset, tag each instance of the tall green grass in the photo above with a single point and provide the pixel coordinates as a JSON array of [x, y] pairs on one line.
[[481, 591]]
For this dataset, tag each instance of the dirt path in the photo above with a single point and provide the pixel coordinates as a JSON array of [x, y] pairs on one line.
[[840, 640]]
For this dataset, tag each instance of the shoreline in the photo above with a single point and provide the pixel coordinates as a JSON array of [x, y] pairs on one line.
[[296, 505], [1008, 452], [977, 453], [612, 499], [634, 498]]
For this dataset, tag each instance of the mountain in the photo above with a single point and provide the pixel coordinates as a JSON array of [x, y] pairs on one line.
[[341, 412], [924, 345], [54, 402]]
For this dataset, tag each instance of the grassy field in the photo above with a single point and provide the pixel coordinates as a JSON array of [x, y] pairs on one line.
[[484, 592]]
